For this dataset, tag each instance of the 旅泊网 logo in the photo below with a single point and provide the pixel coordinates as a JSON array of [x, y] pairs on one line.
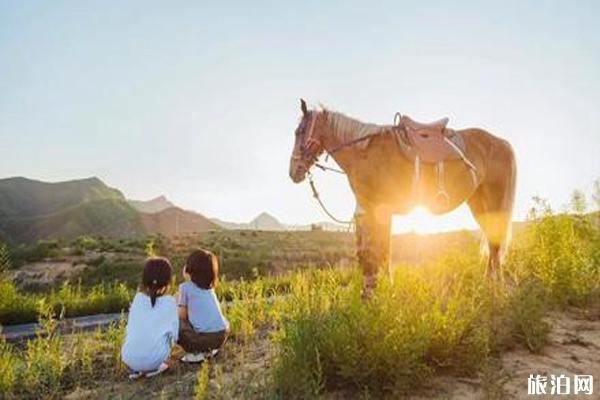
[[560, 385]]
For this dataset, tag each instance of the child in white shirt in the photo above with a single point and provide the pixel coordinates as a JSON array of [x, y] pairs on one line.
[[152, 327]]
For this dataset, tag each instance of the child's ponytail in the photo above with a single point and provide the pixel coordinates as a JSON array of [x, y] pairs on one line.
[[153, 292]]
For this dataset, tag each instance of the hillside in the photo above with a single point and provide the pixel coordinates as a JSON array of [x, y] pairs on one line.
[[23, 198], [174, 222], [155, 205], [262, 222], [32, 210], [266, 222]]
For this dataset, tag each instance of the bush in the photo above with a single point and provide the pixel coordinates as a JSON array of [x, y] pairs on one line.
[[330, 338], [562, 252]]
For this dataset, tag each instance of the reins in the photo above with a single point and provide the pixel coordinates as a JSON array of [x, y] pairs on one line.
[[326, 168], [316, 196]]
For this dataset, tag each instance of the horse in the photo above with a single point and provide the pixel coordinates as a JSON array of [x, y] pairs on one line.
[[386, 180]]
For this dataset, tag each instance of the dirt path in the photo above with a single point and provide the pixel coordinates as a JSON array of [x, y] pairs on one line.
[[573, 348], [14, 333]]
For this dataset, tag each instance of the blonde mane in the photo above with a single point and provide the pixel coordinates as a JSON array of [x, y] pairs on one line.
[[346, 129]]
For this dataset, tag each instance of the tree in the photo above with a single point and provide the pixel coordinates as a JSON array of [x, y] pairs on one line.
[[4, 260], [578, 202], [596, 193]]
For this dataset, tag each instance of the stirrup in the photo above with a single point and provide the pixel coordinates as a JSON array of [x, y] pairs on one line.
[[443, 196]]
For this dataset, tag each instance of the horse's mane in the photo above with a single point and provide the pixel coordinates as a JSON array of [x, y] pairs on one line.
[[347, 129]]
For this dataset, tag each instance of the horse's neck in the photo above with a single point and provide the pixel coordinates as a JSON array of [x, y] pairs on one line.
[[334, 146]]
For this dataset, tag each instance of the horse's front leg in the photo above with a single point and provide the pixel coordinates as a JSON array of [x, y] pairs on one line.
[[372, 246]]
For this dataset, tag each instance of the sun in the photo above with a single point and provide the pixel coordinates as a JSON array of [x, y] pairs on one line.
[[420, 221]]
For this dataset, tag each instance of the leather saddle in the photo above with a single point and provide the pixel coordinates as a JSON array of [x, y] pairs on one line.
[[430, 141]]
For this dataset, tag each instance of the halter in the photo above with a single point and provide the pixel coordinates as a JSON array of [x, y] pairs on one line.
[[309, 156], [309, 141]]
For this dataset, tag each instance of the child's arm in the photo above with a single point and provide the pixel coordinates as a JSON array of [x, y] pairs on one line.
[[182, 312], [174, 327], [182, 306]]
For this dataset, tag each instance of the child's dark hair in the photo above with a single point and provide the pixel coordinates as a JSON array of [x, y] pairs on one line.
[[156, 275], [203, 268]]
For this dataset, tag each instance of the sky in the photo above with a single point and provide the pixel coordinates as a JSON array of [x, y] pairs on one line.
[[199, 101]]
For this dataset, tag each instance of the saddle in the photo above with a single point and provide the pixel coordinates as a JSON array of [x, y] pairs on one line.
[[411, 123], [432, 143]]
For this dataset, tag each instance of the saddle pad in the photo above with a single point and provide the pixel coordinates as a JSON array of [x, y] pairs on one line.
[[431, 145]]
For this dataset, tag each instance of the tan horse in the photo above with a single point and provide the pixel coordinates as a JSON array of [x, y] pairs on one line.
[[382, 178]]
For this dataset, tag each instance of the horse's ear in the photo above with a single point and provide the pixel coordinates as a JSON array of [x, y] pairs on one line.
[[303, 107]]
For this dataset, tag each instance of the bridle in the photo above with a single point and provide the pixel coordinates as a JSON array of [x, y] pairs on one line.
[[309, 157], [310, 143]]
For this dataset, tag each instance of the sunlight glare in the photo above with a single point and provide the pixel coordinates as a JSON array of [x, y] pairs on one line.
[[420, 221]]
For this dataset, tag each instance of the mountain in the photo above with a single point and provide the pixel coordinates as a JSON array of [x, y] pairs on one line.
[[22, 197], [262, 222], [240, 226], [174, 221], [151, 206], [266, 222], [32, 210]]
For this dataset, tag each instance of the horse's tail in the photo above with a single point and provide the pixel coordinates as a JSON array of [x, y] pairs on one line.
[[499, 219], [508, 202]]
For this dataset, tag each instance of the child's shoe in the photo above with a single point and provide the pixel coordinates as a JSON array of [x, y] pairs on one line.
[[193, 358], [163, 367]]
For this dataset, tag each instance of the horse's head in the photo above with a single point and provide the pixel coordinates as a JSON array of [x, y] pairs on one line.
[[307, 146]]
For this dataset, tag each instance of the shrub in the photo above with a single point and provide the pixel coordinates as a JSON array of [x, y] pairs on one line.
[[526, 311], [330, 338], [562, 252]]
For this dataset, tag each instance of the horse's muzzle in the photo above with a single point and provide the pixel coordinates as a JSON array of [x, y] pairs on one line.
[[297, 174]]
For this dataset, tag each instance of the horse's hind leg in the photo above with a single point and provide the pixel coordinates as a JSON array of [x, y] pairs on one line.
[[491, 206]]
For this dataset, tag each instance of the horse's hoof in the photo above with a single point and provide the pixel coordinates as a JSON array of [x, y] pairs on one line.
[[366, 293], [368, 287]]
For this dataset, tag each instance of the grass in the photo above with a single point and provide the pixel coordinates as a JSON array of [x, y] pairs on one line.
[[69, 301], [440, 318]]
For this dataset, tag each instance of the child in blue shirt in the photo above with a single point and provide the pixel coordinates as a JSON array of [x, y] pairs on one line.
[[203, 328]]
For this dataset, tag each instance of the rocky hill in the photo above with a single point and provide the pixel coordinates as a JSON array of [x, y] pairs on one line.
[[174, 222], [262, 222], [155, 205]]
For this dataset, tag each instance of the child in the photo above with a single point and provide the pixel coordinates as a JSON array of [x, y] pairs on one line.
[[152, 326], [202, 329]]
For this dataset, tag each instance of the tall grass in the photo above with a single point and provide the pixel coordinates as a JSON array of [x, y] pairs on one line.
[[331, 339], [562, 253], [442, 317], [69, 300], [50, 364]]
